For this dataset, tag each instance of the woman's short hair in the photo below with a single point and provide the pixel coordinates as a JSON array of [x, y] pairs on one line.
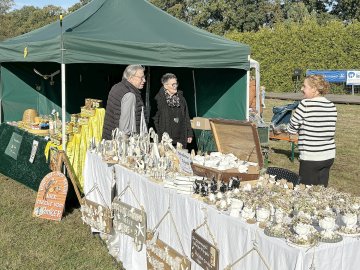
[[318, 82], [131, 71], [167, 77]]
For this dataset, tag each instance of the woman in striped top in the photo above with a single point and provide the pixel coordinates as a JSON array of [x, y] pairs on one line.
[[315, 120]]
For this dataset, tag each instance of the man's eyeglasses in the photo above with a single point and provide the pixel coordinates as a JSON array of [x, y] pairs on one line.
[[140, 77], [174, 85]]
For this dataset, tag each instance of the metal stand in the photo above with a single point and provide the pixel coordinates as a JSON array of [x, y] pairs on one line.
[[296, 86], [255, 247]]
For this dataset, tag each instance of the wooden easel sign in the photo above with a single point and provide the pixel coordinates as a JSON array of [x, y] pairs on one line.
[[51, 196], [58, 158]]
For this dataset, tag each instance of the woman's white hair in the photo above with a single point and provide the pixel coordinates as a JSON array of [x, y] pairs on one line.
[[131, 71]]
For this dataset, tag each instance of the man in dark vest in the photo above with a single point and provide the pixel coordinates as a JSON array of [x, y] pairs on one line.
[[124, 104]]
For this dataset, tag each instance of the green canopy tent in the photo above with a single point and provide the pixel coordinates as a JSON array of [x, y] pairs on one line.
[[104, 36]]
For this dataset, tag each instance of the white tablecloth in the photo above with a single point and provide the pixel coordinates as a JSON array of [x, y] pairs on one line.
[[233, 236]]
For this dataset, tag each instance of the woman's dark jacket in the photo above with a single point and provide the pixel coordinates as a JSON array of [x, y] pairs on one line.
[[164, 123], [113, 107]]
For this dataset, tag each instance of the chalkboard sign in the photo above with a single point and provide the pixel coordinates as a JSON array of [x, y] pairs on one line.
[[13, 147]]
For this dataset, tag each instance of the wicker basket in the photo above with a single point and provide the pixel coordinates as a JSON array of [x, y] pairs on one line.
[[29, 116]]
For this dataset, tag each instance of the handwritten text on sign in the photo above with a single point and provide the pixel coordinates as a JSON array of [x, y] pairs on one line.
[[51, 196], [204, 253], [185, 161], [13, 147], [130, 221], [161, 256]]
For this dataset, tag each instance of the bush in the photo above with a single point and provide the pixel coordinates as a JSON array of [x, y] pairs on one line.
[[289, 45]]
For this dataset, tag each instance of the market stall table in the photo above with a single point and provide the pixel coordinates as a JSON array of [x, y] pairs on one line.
[[233, 236], [18, 164], [285, 137]]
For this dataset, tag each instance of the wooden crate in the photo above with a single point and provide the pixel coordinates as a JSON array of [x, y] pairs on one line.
[[239, 138], [224, 175]]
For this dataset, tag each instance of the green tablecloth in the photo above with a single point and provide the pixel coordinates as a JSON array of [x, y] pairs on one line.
[[21, 169]]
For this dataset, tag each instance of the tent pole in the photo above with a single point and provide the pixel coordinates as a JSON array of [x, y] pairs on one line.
[[63, 92], [147, 98], [63, 107], [257, 81], [0, 96], [193, 74], [247, 92]]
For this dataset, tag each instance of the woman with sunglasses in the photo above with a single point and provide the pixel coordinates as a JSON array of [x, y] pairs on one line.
[[172, 114]]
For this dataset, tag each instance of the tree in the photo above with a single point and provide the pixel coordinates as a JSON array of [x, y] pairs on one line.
[[26, 19], [78, 5], [5, 6], [298, 12], [347, 10], [218, 16]]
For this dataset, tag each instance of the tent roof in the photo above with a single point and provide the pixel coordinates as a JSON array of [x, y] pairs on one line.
[[126, 32]]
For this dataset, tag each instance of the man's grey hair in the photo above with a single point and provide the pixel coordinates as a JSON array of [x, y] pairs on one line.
[[131, 71], [167, 77]]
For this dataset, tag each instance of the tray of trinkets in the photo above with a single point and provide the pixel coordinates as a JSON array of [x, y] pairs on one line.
[[239, 138]]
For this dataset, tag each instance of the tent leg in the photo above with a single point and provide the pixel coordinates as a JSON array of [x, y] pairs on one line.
[[63, 107]]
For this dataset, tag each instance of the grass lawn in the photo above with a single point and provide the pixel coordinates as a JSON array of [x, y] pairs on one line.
[[32, 243], [345, 173]]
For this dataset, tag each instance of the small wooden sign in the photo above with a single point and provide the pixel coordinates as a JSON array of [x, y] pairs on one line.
[[13, 146], [33, 151], [96, 215], [51, 196], [161, 256], [185, 161], [58, 158], [55, 160], [130, 221], [204, 253]]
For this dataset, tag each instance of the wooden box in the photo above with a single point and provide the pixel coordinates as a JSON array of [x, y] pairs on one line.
[[86, 112], [239, 138], [91, 103]]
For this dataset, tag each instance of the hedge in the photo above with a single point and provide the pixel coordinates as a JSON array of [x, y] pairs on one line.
[[287, 46]]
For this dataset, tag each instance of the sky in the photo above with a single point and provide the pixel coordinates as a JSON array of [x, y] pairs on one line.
[[41, 3]]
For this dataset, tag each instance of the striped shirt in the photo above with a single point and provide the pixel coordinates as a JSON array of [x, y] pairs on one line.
[[315, 120]]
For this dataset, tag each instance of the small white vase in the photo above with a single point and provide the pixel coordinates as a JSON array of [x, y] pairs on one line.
[[350, 219], [302, 229], [247, 213], [262, 214], [327, 223]]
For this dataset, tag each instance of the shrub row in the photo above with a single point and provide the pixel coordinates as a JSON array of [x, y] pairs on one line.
[[279, 50]]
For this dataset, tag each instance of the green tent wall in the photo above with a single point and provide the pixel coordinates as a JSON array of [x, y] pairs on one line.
[[101, 38]]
